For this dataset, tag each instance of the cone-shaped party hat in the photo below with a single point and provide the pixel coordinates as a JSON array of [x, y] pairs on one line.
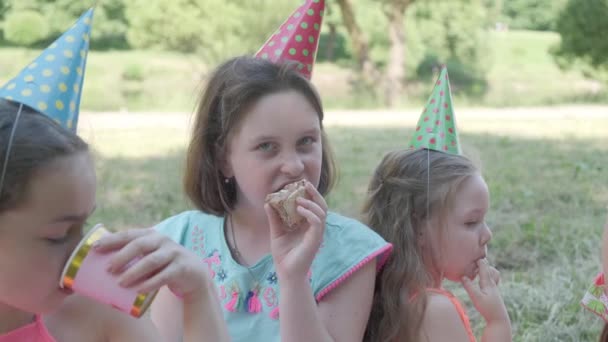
[[52, 83], [436, 128], [297, 38]]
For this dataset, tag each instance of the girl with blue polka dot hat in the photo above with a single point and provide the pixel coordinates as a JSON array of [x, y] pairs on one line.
[[47, 192]]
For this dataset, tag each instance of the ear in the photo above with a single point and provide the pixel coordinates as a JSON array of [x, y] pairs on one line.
[[223, 159]]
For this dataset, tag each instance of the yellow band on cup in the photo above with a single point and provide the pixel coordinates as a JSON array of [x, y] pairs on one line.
[[81, 254], [142, 302]]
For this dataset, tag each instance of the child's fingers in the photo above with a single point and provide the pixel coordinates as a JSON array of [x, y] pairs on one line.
[[136, 248], [313, 207], [274, 221], [472, 290], [113, 241], [494, 275], [144, 267], [315, 196], [155, 282], [485, 279]]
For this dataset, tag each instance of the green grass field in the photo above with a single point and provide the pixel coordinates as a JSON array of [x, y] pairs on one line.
[[522, 73], [546, 169]]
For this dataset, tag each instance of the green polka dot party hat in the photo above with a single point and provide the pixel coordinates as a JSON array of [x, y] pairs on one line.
[[52, 83], [436, 128], [297, 38]]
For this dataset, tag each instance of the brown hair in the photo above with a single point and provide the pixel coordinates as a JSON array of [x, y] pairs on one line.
[[604, 335], [398, 205], [232, 89], [37, 141]]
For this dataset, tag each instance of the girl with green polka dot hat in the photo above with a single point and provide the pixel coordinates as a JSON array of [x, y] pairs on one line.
[[430, 202], [297, 38]]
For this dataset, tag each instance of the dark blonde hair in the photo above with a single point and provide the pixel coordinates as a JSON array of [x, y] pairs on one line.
[[37, 141], [232, 89], [398, 205]]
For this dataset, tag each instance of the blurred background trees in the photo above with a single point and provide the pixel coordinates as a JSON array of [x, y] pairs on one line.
[[389, 44]]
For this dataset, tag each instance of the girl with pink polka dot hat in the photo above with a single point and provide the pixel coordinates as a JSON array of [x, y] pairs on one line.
[[259, 131]]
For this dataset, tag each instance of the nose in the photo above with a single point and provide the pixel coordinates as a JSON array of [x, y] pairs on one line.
[[486, 234], [292, 165]]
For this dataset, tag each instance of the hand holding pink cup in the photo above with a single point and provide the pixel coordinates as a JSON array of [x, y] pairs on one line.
[[86, 273]]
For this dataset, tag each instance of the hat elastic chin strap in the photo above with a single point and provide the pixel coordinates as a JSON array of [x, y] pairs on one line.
[[8, 148]]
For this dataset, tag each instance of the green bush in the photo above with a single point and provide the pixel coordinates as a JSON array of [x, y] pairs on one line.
[[133, 72], [25, 27], [582, 26]]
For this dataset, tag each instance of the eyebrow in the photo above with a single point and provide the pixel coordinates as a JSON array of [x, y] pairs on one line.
[[74, 218], [475, 211], [311, 131]]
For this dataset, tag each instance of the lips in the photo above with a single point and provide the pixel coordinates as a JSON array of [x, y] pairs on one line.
[[283, 185]]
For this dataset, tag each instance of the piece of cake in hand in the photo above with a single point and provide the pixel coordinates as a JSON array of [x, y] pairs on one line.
[[284, 202]]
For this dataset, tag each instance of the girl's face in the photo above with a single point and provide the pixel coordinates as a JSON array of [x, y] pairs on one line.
[[37, 238], [464, 240], [278, 141]]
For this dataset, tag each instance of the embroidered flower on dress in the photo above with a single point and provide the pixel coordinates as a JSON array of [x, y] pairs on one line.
[[221, 274], [270, 297], [272, 278]]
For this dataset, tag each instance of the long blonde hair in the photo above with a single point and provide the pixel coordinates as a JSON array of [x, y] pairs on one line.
[[407, 189]]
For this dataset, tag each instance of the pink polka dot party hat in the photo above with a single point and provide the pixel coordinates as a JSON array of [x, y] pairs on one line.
[[52, 83], [297, 38], [436, 128]]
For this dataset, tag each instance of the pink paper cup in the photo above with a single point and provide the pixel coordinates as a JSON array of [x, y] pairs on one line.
[[85, 273]]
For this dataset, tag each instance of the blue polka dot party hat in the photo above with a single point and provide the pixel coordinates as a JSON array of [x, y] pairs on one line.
[[52, 83]]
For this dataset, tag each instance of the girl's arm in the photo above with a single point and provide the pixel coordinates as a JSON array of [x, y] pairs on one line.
[[202, 317], [488, 301], [341, 316], [196, 317], [174, 268], [167, 313]]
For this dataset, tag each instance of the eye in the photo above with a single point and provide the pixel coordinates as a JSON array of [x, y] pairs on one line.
[[266, 147], [75, 231], [58, 240], [306, 141]]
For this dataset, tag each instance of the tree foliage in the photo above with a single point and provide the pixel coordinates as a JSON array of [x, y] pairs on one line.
[[25, 27], [582, 26], [215, 29], [537, 15]]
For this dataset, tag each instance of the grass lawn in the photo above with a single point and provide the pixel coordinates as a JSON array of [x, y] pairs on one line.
[[546, 168]]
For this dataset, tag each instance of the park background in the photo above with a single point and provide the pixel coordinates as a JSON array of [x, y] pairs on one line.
[[530, 88]]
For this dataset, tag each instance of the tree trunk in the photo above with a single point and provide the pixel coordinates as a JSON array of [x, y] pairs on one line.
[[331, 43], [395, 70], [359, 41]]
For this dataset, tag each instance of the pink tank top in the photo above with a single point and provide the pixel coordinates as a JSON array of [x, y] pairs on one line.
[[33, 332], [461, 312]]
